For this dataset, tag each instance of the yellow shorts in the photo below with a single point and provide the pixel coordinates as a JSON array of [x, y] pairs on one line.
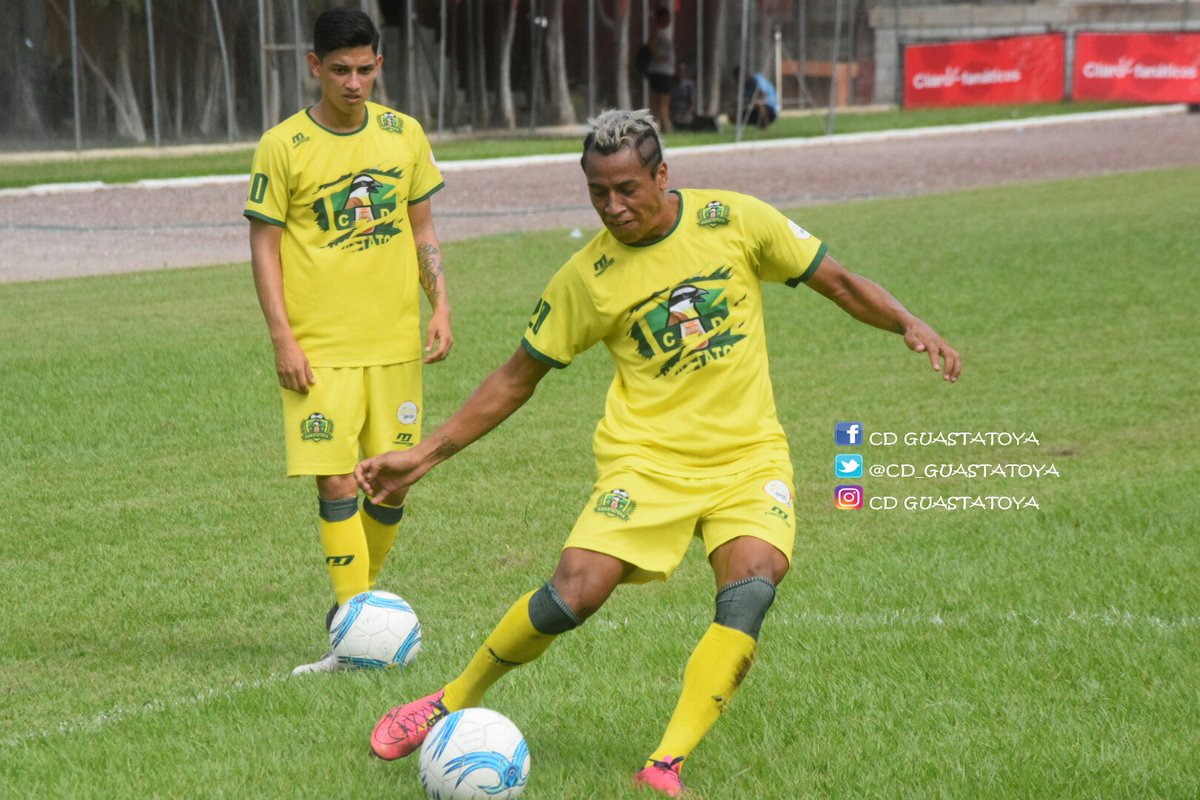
[[351, 413], [647, 518]]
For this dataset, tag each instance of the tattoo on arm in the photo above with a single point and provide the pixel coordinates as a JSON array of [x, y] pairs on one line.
[[446, 447], [429, 262]]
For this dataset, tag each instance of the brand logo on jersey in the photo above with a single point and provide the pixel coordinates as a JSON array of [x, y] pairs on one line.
[[299, 139], [317, 428], [603, 264], [714, 214], [616, 503], [390, 122], [361, 206], [688, 323], [403, 440]]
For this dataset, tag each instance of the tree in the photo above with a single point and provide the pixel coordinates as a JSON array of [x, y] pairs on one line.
[[618, 24], [561, 108], [508, 114]]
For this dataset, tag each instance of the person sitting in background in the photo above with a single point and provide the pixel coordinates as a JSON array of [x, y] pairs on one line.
[[683, 104], [761, 100]]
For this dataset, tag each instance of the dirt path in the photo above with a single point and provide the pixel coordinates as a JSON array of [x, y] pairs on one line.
[[129, 228]]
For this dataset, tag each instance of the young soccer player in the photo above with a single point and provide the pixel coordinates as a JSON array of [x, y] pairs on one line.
[[690, 443], [341, 235]]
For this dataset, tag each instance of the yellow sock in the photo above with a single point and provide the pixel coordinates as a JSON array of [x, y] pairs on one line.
[[380, 536], [513, 642], [346, 556], [714, 671]]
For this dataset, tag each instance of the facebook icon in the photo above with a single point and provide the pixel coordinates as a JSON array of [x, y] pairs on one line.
[[846, 434]]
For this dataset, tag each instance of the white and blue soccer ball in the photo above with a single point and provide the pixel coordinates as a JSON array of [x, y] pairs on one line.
[[474, 754], [375, 630]]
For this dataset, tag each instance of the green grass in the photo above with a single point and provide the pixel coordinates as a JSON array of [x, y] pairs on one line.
[[122, 169], [163, 577]]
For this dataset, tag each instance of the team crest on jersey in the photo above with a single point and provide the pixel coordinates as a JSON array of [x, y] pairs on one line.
[[686, 326], [389, 121], [616, 503], [714, 214], [360, 207], [317, 428]]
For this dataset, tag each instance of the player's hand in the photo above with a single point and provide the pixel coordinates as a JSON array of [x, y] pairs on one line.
[[924, 339], [386, 478], [439, 339], [292, 367]]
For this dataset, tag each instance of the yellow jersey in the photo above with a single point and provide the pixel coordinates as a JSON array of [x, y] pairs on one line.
[[350, 273], [682, 319]]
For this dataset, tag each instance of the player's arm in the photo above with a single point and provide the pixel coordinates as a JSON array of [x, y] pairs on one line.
[[869, 302], [291, 364], [385, 478], [438, 338]]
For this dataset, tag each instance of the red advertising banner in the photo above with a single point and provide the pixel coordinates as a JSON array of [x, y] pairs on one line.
[[1138, 67], [1016, 69]]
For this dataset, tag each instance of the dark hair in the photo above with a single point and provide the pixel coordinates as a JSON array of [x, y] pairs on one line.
[[342, 27], [617, 128]]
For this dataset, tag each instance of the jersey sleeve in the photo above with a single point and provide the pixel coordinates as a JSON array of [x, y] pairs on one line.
[[564, 322], [426, 177], [786, 252], [268, 200]]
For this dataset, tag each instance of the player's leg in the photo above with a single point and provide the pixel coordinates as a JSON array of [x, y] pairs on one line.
[[525, 631], [746, 568], [322, 429], [582, 582], [394, 402], [343, 540]]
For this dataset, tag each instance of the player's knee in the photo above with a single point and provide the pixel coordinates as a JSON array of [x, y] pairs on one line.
[[384, 515], [549, 613], [742, 605], [339, 510]]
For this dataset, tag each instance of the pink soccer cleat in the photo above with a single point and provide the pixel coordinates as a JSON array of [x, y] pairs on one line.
[[662, 777], [402, 729]]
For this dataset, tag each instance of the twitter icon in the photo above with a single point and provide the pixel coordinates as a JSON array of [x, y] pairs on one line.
[[848, 465]]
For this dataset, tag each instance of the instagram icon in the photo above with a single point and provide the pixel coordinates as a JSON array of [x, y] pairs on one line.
[[847, 497]]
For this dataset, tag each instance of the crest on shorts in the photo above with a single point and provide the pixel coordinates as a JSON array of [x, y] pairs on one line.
[[389, 121], [317, 428], [714, 214], [616, 503]]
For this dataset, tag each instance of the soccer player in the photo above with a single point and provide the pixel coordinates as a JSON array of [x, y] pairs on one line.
[[689, 444], [341, 234]]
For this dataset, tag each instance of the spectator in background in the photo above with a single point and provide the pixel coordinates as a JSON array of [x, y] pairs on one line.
[[683, 98], [761, 101], [683, 104], [660, 71]]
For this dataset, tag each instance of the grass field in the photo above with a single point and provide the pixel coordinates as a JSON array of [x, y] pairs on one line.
[[164, 577], [234, 161]]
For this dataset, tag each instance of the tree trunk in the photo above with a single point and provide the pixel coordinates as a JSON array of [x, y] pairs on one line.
[[561, 107], [618, 24], [129, 115], [508, 114], [716, 62], [478, 35]]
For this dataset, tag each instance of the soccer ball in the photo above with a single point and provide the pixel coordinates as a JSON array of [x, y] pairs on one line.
[[474, 754], [375, 630]]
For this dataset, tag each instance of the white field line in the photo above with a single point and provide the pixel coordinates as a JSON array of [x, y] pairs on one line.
[[567, 158], [122, 713], [886, 618]]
